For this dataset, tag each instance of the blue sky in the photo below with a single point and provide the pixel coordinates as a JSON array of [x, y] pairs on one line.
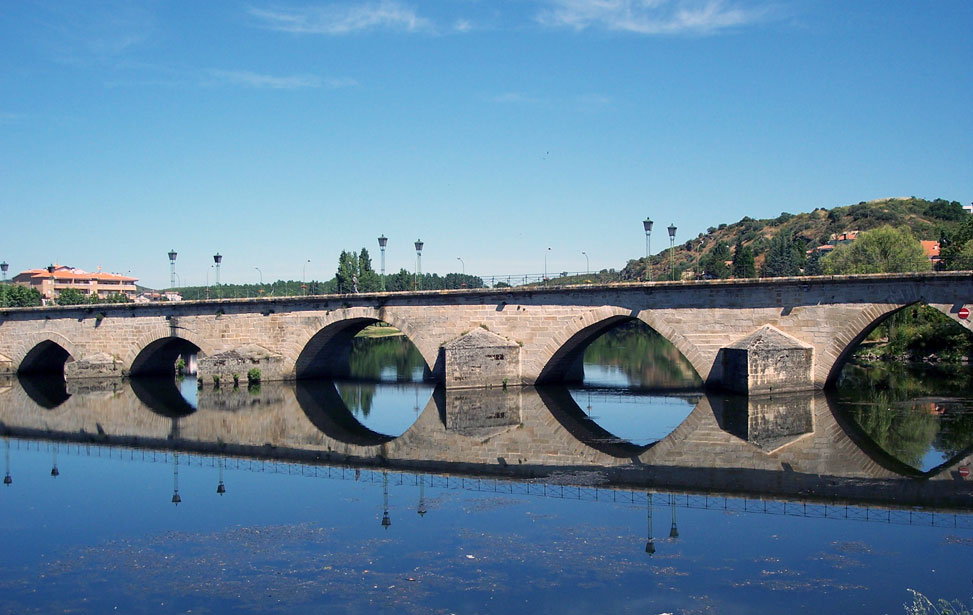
[[282, 132]]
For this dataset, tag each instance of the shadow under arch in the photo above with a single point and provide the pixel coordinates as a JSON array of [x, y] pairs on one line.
[[323, 406], [161, 396], [47, 390], [327, 354], [158, 358], [47, 357], [569, 415]]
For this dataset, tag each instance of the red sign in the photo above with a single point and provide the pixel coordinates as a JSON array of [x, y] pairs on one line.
[[964, 471], [963, 313]]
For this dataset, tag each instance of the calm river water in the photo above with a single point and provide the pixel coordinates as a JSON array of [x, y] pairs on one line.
[[632, 492]]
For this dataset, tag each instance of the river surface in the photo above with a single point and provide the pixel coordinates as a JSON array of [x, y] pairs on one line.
[[633, 491]]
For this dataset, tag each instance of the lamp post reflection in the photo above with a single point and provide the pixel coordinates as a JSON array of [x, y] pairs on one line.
[[221, 488], [54, 471], [673, 531], [7, 479], [386, 522], [176, 498], [422, 496], [649, 545]]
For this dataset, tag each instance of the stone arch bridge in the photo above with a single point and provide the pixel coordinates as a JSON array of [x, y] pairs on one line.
[[766, 335]]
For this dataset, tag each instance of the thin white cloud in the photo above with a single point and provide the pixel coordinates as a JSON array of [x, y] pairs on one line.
[[257, 80], [338, 19], [649, 16], [462, 25], [337, 83]]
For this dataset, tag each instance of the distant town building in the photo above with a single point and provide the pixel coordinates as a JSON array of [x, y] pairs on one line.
[[968, 208], [931, 249], [50, 282], [150, 297]]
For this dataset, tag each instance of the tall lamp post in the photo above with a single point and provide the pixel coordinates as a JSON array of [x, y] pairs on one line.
[[417, 280], [587, 263], [261, 278], [545, 264], [217, 258], [382, 242], [3, 267], [672, 243], [647, 225], [172, 268], [303, 276], [462, 264]]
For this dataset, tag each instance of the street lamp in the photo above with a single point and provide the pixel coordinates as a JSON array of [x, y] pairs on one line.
[[672, 243], [417, 281], [462, 263], [261, 274], [647, 225], [218, 259], [382, 242], [172, 268], [303, 276], [3, 267], [545, 265], [50, 270], [587, 264]]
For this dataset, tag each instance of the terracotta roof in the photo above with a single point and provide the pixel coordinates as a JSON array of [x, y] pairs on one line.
[[62, 272], [931, 248]]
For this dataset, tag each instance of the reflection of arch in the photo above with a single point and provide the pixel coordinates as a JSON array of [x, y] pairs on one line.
[[44, 352], [325, 354], [161, 395], [47, 390], [569, 414], [323, 406], [865, 444], [158, 358], [564, 362]]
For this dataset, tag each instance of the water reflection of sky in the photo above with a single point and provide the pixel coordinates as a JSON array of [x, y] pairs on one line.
[[104, 535], [640, 418]]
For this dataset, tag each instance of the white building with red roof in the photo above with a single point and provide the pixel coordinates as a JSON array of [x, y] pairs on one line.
[[50, 282]]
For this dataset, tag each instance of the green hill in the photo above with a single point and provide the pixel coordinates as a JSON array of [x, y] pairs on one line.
[[928, 220]]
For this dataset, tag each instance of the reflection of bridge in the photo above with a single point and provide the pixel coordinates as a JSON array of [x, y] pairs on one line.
[[751, 335], [558, 487], [793, 447]]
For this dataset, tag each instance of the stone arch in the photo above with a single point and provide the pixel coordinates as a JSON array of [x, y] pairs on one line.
[[323, 350], [44, 351], [829, 363], [560, 359], [151, 353]]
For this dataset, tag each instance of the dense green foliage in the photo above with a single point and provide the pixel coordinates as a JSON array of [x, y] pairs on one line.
[[743, 263], [882, 250], [714, 263], [918, 333], [18, 295], [957, 246], [785, 257]]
